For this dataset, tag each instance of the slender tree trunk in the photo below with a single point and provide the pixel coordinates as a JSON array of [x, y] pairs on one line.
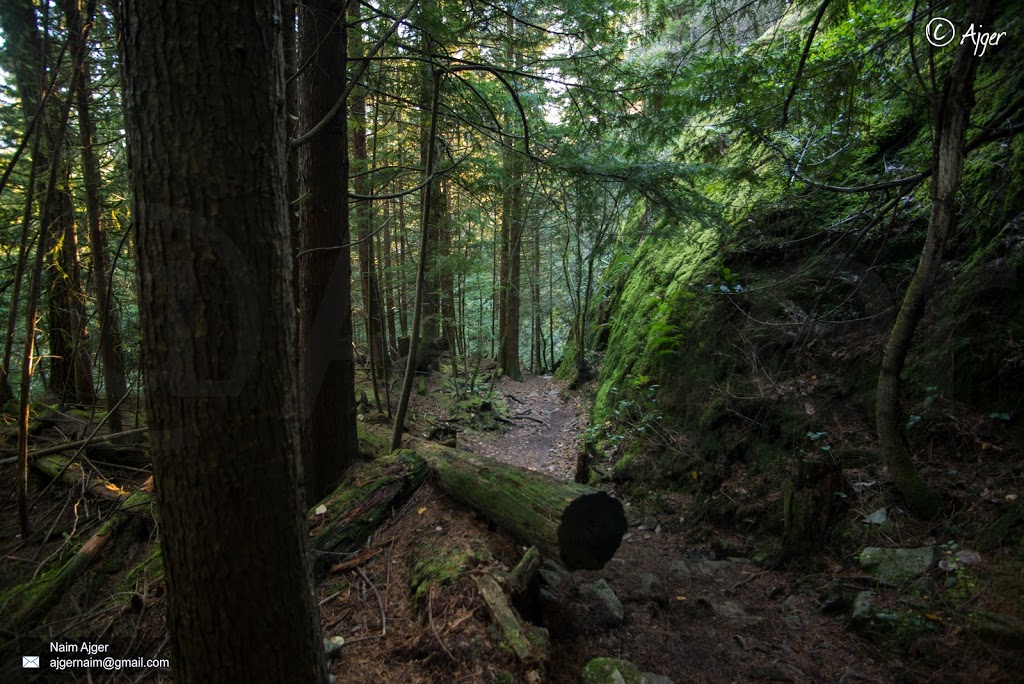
[[537, 353], [403, 253], [111, 346], [23, 47], [32, 305], [410, 367], [327, 378], [218, 331], [389, 278], [951, 121]]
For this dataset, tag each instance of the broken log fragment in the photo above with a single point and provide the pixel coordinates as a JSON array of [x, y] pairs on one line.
[[573, 523]]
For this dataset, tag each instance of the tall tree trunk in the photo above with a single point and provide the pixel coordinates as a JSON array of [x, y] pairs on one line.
[[511, 269], [363, 216], [111, 346], [951, 121], [218, 334], [327, 378], [537, 353], [431, 315], [511, 241]]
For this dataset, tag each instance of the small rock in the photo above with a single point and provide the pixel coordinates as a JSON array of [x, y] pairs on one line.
[[794, 622], [607, 598], [651, 678], [897, 565], [862, 608], [649, 585], [772, 673], [879, 517], [679, 570], [789, 604], [610, 671], [711, 567], [551, 577], [650, 522]]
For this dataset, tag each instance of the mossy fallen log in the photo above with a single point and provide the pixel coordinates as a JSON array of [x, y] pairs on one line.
[[26, 604], [348, 516], [570, 522]]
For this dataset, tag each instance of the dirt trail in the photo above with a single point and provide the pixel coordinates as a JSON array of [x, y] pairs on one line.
[[548, 420]]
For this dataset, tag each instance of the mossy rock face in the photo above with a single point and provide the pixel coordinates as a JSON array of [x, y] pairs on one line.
[[611, 671]]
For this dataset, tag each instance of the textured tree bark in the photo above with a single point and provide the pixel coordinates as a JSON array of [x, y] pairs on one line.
[[327, 377], [205, 99], [575, 524], [951, 120]]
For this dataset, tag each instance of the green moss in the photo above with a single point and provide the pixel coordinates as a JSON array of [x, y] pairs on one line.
[[149, 572], [437, 567]]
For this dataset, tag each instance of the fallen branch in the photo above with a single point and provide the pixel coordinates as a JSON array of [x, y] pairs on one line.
[[75, 445], [520, 416]]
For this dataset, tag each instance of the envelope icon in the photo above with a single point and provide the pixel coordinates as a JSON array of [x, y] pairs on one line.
[[30, 661]]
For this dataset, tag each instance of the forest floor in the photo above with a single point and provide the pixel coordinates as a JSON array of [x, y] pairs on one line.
[[696, 607], [692, 611]]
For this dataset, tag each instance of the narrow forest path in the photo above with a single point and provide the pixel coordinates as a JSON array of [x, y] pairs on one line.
[[690, 612], [548, 421]]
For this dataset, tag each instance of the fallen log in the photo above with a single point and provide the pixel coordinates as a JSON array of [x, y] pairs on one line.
[[348, 516], [573, 523]]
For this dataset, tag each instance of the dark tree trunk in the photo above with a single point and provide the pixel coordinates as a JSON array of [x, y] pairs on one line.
[[205, 103], [511, 267], [327, 378], [363, 217], [511, 241], [70, 367]]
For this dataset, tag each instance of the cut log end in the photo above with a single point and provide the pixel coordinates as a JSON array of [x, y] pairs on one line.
[[591, 530]]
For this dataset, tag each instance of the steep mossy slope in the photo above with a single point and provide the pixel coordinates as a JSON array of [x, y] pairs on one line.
[[761, 342]]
